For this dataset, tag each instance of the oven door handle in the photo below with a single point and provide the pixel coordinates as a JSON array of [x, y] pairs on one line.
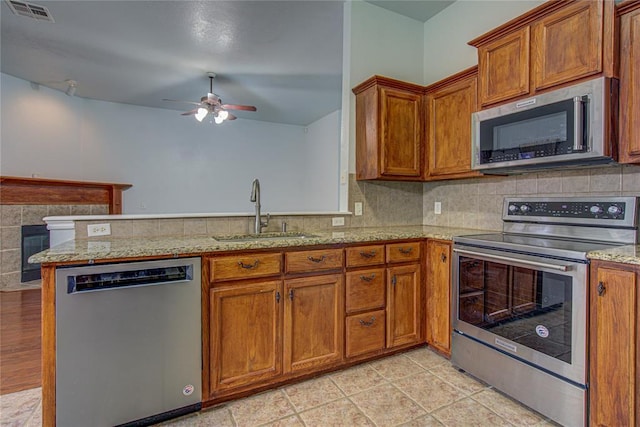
[[515, 260]]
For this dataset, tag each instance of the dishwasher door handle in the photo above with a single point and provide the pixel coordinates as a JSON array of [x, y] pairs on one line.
[[559, 267]]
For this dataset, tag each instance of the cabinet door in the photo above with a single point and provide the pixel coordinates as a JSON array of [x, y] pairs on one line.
[[403, 299], [246, 334], [630, 87], [438, 316], [449, 128], [400, 133], [503, 67], [568, 44], [313, 322], [614, 328]]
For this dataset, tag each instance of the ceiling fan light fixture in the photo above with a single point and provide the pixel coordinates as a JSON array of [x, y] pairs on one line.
[[218, 119], [223, 114], [201, 114]]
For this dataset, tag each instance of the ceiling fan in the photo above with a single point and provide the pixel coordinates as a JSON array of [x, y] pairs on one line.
[[212, 104]]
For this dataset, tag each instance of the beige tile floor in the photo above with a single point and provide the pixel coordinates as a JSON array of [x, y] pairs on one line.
[[416, 388]]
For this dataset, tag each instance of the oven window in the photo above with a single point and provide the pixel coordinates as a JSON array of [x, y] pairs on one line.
[[529, 307]]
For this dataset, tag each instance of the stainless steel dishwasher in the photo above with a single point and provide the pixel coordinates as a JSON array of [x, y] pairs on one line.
[[128, 342]]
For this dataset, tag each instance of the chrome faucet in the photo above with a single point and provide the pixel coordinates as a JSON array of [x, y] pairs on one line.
[[255, 197]]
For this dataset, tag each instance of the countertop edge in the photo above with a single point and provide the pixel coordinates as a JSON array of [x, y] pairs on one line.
[[104, 249]]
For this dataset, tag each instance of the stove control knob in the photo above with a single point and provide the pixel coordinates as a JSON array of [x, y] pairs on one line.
[[513, 208], [525, 208], [614, 210], [595, 209]]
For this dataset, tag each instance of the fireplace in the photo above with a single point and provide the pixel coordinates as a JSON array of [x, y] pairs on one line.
[[25, 201], [35, 238]]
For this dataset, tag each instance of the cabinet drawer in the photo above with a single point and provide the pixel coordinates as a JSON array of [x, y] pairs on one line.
[[364, 255], [365, 290], [365, 333], [472, 308], [402, 252], [306, 261], [245, 266]]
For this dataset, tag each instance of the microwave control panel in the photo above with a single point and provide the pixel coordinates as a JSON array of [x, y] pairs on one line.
[[557, 209]]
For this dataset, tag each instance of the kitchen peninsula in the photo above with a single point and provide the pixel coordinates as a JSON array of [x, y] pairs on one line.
[[366, 287]]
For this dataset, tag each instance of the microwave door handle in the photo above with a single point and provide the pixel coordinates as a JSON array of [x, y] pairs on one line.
[[578, 124], [514, 260]]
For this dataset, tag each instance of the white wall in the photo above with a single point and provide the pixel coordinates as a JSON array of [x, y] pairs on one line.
[[322, 160], [446, 35], [383, 43], [175, 164]]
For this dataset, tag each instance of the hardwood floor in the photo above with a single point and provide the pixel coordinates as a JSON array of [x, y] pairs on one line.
[[20, 340]]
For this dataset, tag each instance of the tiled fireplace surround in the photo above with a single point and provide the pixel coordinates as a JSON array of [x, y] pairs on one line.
[[471, 203]]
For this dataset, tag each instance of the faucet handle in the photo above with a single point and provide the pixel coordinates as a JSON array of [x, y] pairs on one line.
[[266, 223]]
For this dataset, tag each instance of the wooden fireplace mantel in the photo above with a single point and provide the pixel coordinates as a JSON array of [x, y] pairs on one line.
[[41, 191]]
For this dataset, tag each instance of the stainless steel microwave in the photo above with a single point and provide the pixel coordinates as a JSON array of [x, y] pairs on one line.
[[568, 127]]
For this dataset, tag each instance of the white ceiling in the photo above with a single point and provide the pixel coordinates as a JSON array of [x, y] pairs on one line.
[[284, 57]]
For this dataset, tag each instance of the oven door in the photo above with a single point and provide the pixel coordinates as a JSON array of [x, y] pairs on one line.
[[530, 307]]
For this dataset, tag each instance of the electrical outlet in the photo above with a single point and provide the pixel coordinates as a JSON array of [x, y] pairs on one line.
[[337, 221], [358, 209], [437, 208], [98, 230]]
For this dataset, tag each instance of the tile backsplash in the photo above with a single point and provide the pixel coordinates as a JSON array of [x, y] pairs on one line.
[[477, 203]]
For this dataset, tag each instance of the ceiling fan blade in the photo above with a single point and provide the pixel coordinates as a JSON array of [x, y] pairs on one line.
[[190, 113], [184, 102], [231, 117], [238, 107]]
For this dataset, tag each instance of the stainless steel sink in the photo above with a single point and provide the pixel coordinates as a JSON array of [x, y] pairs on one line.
[[264, 236]]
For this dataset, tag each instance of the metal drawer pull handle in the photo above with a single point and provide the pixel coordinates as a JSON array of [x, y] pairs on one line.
[[312, 259], [368, 278], [514, 260], [369, 254], [405, 251], [369, 323], [249, 266], [601, 289]]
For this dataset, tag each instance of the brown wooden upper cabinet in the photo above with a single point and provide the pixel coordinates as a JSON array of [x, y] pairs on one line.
[[389, 130], [449, 105], [629, 142], [551, 45]]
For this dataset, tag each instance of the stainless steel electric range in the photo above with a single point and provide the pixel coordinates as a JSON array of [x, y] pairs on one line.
[[520, 298]]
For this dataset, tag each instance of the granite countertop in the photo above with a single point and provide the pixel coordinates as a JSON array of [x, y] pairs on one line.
[[629, 254], [86, 250]]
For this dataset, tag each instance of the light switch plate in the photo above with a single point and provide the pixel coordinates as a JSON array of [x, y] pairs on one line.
[[98, 229], [337, 221], [437, 208], [357, 209]]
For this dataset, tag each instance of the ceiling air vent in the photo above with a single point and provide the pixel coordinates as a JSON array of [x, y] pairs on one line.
[[30, 10]]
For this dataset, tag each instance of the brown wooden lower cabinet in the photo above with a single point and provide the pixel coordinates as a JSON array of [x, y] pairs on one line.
[[614, 368], [246, 329], [403, 300], [313, 322], [278, 321], [438, 298]]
